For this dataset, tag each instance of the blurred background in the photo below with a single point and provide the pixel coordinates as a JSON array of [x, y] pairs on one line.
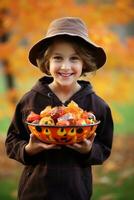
[[111, 25]]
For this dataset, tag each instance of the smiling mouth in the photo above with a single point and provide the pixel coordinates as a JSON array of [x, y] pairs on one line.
[[65, 74]]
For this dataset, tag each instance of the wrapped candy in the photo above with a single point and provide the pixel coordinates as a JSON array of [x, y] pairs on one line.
[[62, 124], [33, 117], [46, 121], [71, 114], [67, 116]]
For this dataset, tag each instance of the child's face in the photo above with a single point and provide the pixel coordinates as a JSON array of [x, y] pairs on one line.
[[65, 65]]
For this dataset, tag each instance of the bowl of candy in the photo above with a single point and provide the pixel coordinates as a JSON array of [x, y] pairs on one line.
[[62, 124]]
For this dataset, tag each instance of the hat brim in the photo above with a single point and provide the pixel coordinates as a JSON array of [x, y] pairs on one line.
[[97, 52]]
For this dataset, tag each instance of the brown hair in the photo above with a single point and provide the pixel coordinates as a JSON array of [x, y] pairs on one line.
[[79, 47]]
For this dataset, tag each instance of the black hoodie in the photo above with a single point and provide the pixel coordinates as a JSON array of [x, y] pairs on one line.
[[63, 173]]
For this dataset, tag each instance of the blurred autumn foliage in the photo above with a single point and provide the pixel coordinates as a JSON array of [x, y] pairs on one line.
[[26, 21], [111, 25]]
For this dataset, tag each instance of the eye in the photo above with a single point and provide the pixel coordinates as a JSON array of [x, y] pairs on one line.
[[47, 131], [61, 132], [57, 58], [72, 132], [75, 58]]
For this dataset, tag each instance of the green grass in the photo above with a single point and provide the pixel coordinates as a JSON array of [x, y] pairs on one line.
[[127, 113], [2, 84], [4, 123], [8, 189], [115, 192], [122, 191]]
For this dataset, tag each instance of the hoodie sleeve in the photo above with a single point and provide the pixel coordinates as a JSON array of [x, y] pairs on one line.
[[102, 145], [17, 138]]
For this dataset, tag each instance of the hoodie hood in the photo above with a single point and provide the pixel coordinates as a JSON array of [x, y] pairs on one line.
[[42, 87]]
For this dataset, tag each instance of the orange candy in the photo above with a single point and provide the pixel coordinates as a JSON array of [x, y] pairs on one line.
[[71, 114]]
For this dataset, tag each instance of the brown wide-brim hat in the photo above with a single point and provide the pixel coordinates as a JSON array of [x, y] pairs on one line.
[[71, 27]]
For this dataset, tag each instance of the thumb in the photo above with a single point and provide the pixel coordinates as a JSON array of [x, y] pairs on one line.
[[32, 136], [92, 137]]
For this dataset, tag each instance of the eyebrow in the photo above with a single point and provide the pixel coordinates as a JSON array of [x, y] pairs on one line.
[[74, 54], [56, 53]]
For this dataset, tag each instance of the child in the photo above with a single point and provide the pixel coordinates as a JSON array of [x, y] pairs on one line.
[[55, 172]]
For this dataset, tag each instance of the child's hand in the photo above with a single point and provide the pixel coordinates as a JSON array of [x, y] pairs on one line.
[[85, 146], [35, 146]]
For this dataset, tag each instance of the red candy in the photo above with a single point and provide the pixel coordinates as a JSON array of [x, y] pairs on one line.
[[81, 122], [63, 123], [33, 117], [71, 114]]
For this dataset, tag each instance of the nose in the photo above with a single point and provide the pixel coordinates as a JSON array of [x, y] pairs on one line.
[[66, 65]]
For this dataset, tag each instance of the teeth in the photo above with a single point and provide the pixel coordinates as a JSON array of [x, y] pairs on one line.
[[66, 75]]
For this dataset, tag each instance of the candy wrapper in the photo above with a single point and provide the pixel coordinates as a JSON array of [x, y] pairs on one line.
[[62, 124]]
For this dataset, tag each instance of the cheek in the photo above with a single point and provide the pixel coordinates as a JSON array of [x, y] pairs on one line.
[[53, 67], [78, 69]]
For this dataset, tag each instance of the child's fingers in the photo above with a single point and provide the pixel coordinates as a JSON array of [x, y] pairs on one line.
[[74, 146], [50, 146], [92, 137], [86, 143], [56, 147], [33, 137]]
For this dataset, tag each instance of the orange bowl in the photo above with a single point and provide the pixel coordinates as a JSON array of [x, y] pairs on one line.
[[62, 134]]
